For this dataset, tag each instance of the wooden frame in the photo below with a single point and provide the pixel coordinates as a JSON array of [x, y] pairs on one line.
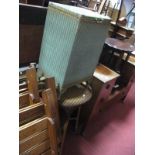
[[39, 122], [35, 106], [39, 136]]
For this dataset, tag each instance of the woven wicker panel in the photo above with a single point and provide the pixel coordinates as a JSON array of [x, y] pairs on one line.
[[75, 96], [86, 51], [58, 39], [71, 44]]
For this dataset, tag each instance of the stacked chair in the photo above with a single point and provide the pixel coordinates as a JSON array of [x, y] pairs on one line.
[[40, 130]]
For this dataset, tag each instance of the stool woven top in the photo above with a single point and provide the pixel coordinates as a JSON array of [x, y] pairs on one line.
[[75, 96], [119, 45]]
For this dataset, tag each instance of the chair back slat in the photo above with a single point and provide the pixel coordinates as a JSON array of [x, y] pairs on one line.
[[23, 85], [23, 100], [23, 90], [33, 127], [31, 113], [33, 140], [38, 149]]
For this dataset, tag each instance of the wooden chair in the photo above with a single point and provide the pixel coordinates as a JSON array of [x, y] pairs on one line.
[[28, 90], [61, 127], [30, 103], [28, 79], [39, 136], [30, 111]]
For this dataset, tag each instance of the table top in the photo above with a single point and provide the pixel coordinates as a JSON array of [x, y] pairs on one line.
[[119, 45], [76, 96], [105, 74]]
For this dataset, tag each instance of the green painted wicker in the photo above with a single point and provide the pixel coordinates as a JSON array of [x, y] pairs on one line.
[[72, 43]]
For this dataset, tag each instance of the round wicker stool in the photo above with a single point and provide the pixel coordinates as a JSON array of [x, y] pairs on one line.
[[73, 98]]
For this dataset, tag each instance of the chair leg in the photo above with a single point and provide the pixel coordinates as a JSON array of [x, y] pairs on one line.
[[77, 119], [65, 129]]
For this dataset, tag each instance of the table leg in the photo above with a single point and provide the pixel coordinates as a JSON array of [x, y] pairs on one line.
[[118, 63]]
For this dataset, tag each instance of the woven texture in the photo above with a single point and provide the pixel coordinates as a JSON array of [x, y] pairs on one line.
[[71, 44], [75, 96]]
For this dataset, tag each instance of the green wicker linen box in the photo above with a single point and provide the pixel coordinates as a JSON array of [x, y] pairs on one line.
[[72, 43]]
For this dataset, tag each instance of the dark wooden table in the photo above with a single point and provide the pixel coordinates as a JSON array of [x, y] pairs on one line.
[[119, 47]]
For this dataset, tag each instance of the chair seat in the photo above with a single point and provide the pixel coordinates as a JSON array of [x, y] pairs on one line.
[[75, 96]]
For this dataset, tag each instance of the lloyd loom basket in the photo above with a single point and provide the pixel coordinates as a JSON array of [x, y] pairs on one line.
[[72, 43]]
